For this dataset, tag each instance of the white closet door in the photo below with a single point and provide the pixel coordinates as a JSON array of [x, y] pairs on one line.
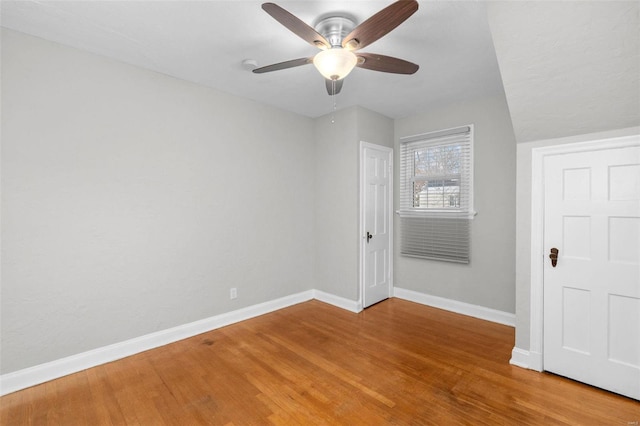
[[592, 296]]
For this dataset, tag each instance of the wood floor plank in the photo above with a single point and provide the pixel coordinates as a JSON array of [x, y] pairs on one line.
[[396, 363]]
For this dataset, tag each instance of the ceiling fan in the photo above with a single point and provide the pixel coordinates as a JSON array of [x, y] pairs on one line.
[[338, 37]]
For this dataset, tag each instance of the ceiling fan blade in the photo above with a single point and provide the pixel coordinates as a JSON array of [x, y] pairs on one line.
[[375, 62], [283, 65], [295, 25], [333, 86], [380, 24]]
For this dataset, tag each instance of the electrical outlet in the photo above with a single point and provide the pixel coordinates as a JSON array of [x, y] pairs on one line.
[[233, 293]]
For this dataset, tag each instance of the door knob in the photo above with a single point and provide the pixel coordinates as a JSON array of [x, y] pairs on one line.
[[369, 236], [554, 257]]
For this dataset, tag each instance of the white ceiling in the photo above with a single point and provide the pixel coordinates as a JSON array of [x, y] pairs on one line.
[[206, 41]]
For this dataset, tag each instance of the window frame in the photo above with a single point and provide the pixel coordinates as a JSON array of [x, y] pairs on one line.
[[437, 233], [408, 177]]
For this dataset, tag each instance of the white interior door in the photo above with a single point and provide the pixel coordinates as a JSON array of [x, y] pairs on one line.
[[376, 204], [592, 296]]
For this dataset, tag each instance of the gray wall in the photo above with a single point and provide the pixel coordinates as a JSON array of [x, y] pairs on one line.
[[375, 128], [132, 202], [336, 204], [336, 196], [489, 279], [135, 200]]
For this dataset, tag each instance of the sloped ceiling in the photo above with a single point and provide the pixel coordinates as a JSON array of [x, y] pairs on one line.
[[568, 68], [206, 41]]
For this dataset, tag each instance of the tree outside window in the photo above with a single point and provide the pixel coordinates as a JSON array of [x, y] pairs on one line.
[[436, 177]]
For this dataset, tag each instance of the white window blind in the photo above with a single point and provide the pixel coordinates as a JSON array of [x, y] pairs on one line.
[[436, 194]]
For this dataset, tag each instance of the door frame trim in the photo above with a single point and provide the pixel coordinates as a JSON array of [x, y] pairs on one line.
[[361, 230], [536, 296]]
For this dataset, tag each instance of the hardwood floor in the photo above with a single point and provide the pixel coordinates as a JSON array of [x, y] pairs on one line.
[[395, 363]]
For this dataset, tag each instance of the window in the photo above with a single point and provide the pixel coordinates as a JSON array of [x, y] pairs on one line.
[[436, 194]]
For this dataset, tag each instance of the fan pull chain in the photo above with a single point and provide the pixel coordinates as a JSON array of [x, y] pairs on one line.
[[333, 97]]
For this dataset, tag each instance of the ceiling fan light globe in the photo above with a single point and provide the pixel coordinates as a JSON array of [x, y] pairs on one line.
[[335, 63]]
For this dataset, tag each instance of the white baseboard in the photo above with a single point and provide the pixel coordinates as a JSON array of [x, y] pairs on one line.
[[21, 379], [526, 359], [519, 357], [35, 375], [340, 302], [468, 309]]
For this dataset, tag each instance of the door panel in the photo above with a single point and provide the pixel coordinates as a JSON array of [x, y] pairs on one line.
[[592, 296], [377, 216]]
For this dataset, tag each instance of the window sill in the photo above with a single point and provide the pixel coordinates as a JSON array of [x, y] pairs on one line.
[[452, 214]]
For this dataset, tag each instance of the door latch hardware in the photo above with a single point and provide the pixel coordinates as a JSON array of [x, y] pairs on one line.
[[554, 257], [369, 236]]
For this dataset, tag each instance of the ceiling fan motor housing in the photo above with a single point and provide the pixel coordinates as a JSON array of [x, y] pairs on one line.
[[335, 28]]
